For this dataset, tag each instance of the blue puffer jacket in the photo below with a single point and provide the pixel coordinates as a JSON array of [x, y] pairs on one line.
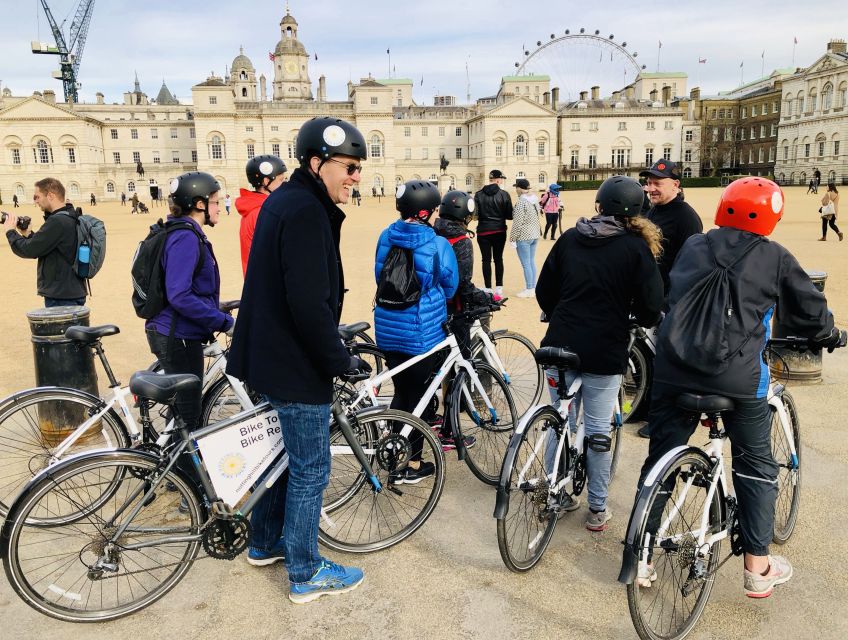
[[419, 328]]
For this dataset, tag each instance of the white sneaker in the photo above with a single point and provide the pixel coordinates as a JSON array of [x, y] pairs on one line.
[[527, 293], [499, 291], [487, 290], [646, 576]]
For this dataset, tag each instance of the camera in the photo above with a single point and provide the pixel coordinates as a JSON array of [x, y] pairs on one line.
[[22, 224]]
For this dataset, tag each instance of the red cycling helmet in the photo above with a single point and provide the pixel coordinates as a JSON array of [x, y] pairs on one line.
[[751, 204]]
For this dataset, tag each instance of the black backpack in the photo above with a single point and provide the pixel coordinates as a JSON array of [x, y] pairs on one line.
[[695, 332], [398, 286], [148, 279]]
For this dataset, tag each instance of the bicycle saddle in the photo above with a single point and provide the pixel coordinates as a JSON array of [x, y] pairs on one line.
[[557, 358], [87, 335], [704, 404], [162, 388], [349, 331]]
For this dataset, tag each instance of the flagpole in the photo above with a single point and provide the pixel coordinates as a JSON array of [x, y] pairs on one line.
[[742, 73], [659, 48], [389, 53], [763, 65], [794, 44]]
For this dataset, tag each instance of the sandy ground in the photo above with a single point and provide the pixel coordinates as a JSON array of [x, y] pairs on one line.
[[448, 580]]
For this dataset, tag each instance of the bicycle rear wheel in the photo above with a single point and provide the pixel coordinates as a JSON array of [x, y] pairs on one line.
[[529, 521], [637, 382], [669, 605], [374, 356], [523, 375], [789, 475], [491, 426], [221, 402], [34, 423], [370, 520], [74, 572]]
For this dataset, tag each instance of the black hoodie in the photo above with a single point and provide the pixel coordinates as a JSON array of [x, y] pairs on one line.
[[589, 287], [494, 208]]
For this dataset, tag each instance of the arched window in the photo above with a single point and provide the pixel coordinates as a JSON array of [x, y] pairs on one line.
[[433, 177], [130, 187], [73, 190], [244, 92], [827, 97], [543, 178], [243, 75], [19, 190], [376, 150], [842, 95], [799, 103], [216, 148], [469, 181], [378, 182], [110, 187], [813, 102], [687, 172], [43, 152], [398, 180], [520, 146]]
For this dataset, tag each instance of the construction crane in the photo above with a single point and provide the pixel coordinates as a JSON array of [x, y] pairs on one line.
[[70, 50]]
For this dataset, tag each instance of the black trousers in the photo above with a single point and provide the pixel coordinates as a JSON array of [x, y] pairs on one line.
[[754, 468], [492, 248], [185, 356], [829, 222], [410, 385], [551, 220]]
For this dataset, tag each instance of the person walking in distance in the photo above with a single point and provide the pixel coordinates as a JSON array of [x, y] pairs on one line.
[[265, 174], [598, 274], [829, 210], [550, 205], [812, 188], [134, 202], [123, 199], [290, 309], [764, 281], [228, 203], [675, 218], [494, 208], [93, 200], [54, 245], [15, 204], [524, 234]]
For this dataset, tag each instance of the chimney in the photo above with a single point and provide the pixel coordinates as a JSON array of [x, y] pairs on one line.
[[653, 95], [666, 95], [837, 45], [263, 88], [50, 96], [695, 93], [630, 92], [349, 88], [322, 89], [596, 92], [584, 95], [546, 98], [616, 96], [99, 97], [555, 98]]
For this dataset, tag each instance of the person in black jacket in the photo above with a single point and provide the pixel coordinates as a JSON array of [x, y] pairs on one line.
[[596, 276], [766, 281], [54, 245], [494, 208], [286, 345]]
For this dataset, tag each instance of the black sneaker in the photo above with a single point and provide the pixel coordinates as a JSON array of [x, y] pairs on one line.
[[645, 431], [448, 443], [408, 475]]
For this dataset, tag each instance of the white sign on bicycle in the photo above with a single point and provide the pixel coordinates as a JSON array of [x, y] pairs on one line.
[[235, 457]]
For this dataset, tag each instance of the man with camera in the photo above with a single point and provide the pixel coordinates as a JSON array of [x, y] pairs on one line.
[[54, 245]]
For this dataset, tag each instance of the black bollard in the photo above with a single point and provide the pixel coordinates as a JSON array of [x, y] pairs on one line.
[[791, 365], [60, 362]]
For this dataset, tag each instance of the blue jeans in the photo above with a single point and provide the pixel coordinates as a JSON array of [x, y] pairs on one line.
[[64, 302], [296, 504], [597, 395], [527, 255]]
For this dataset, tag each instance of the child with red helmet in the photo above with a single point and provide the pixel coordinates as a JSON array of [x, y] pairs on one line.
[[765, 282]]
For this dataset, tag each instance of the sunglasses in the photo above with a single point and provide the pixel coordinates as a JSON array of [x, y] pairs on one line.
[[351, 168]]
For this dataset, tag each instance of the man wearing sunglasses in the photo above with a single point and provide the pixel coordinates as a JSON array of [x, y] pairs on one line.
[[286, 346]]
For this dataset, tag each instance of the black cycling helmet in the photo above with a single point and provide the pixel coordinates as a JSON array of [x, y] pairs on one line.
[[327, 137], [620, 196], [417, 199], [457, 205], [259, 168], [192, 187]]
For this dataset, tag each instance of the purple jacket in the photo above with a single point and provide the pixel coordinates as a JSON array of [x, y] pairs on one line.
[[193, 297]]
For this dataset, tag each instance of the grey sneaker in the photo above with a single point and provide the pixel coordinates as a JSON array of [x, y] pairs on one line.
[[759, 586], [598, 521]]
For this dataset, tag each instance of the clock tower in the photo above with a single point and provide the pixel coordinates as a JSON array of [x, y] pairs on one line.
[[291, 64]]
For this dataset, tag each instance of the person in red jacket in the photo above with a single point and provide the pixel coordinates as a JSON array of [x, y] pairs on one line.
[[265, 174]]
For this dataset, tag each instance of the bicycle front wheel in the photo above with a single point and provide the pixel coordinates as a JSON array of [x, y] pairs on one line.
[[789, 474], [35, 423], [485, 427], [370, 519], [637, 381], [676, 571], [521, 372], [80, 572], [221, 402]]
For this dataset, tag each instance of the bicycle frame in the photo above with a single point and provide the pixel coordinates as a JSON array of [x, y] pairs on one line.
[[490, 353]]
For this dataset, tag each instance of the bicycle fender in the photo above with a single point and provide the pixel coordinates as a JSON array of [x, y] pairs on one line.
[[18, 396], [498, 332], [630, 555]]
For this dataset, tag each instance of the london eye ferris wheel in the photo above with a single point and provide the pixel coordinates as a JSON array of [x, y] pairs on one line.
[[577, 60]]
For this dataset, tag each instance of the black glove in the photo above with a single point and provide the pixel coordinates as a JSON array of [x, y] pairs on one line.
[[356, 366], [835, 340]]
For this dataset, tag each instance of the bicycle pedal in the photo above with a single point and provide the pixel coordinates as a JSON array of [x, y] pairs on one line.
[[222, 510]]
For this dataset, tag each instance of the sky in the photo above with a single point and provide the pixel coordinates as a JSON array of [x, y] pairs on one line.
[[183, 41]]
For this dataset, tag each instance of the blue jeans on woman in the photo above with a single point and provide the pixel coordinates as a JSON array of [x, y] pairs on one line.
[[296, 505], [597, 395], [527, 255]]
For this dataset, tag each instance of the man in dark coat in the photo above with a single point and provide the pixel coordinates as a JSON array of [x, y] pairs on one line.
[[286, 346], [494, 208]]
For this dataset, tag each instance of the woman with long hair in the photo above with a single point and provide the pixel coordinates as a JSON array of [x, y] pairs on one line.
[[599, 274], [829, 210]]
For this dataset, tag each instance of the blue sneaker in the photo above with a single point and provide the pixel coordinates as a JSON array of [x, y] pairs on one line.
[[330, 579], [259, 558]]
